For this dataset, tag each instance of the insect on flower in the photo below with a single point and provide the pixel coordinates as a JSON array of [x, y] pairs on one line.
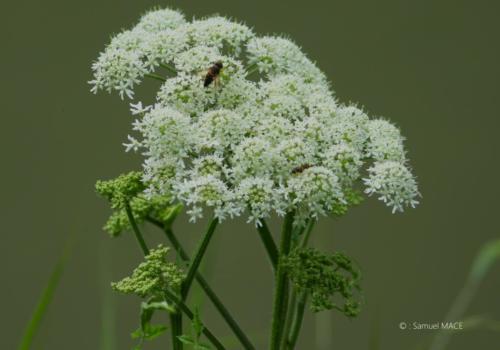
[[212, 74], [301, 168]]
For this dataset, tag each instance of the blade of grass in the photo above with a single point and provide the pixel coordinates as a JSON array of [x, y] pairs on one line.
[[44, 301]]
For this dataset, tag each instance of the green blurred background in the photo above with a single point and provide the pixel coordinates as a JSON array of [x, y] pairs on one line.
[[431, 66]]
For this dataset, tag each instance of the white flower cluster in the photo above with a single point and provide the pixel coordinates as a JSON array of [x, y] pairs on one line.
[[266, 136]]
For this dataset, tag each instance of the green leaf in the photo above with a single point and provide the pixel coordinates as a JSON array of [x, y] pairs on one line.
[[148, 331], [197, 324]]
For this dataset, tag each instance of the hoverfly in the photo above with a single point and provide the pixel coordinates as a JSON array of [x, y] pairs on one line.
[[212, 74], [301, 168]]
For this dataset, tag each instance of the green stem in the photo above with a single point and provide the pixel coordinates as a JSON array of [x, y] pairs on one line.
[[168, 67], [193, 268], [297, 322], [185, 309], [292, 306], [281, 285], [307, 235], [156, 76], [267, 239], [252, 69], [135, 228], [291, 317], [296, 312], [176, 330], [245, 342]]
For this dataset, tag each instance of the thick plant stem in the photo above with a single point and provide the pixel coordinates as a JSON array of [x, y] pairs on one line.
[[292, 307], [267, 239], [185, 309], [297, 322], [136, 230], [200, 252], [281, 285], [176, 330]]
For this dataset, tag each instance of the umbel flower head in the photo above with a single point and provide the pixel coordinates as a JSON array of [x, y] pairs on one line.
[[266, 136]]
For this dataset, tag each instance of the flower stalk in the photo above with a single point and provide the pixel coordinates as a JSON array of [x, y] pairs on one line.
[[195, 263], [296, 324], [281, 285], [267, 239], [135, 228]]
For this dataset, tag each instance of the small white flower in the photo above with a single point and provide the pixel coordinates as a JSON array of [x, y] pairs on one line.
[[394, 184], [158, 20], [209, 165], [385, 141], [345, 161], [137, 108], [260, 197], [218, 32], [163, 47], [186, 93], [205, 191], [254, 156], [315, 191], [222, 128], [166, 131], [275, 55]]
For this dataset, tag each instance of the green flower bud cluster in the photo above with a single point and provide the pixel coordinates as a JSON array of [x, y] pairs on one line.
[[326, 278], [153, 276], [119, 191], [129, 188]]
